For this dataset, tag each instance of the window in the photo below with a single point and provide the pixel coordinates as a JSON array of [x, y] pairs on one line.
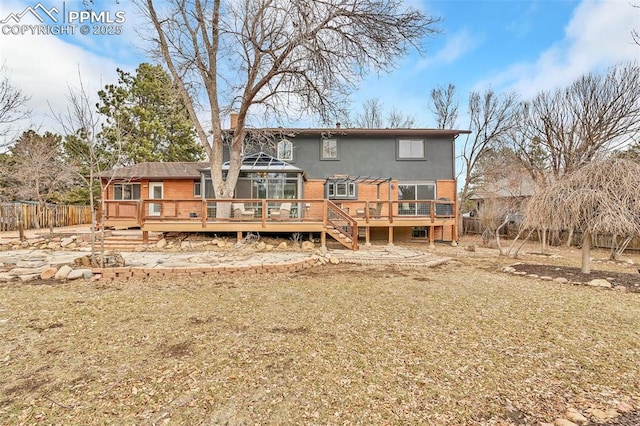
[[343, 190], [126, 191], [197, 189], [419, 232], [412, 191], [411, 149], [285, 150], [329, 149]]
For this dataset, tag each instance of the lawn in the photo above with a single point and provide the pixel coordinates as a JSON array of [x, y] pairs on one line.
[[453, 345]]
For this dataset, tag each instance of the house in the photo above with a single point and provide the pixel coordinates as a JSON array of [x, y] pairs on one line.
[[495, 199], [350, 184]]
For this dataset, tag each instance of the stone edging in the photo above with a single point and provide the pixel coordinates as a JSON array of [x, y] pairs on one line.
[[128, 272], [598, 282]]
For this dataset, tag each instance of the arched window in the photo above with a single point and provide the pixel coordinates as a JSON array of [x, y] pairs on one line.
[[285, 150]]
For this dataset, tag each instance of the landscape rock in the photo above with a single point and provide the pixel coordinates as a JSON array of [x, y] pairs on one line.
[[307, 245], [564, 422], [509, 269], [48, 273], [161, 243], [221, 244], [576, 417], [283, 246], [63, 272], [334, 260], [599, 282], [561, 280], [66, 242], [598, 414], [261, 246], [26, 271], [29, 277], [78, 273], [624, 407]]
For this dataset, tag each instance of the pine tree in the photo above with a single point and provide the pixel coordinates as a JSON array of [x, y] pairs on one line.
[[146, 113]]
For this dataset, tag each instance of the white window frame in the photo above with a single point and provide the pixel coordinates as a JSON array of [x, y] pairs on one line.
[[417, 149], [342, 190], [282, 152], [326, 152]]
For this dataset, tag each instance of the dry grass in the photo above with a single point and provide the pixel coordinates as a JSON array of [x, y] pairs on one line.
[[336, 345]]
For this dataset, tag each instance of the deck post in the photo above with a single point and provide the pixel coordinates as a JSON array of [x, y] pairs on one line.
[[432, 231], [145, 237], [323, 240], [367, 236], [391, 235], [239, 236]]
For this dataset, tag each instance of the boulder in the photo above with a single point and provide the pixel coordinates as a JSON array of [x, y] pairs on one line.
[[66, 242], [283, 246], [48, 273], [63, 272], [261, 246], [599, 282], [307, 245], [161, 243], [79, 273]]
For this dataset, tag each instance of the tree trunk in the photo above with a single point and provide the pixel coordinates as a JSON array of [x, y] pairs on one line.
[[586, 252], [570, 238], [502, 225]]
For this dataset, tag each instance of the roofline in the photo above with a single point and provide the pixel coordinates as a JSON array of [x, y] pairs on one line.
[[337, 131]]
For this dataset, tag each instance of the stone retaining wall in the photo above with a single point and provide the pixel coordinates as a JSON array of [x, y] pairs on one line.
[[159, 272]]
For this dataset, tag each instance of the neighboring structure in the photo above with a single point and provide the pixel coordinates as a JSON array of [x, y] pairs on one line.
[[348, 183], [493, 200]]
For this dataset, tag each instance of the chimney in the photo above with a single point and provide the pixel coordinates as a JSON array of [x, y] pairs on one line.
[[234, 120], [338, 125]]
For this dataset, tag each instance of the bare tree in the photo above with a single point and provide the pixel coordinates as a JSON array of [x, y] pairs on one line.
[[600, 197], [373, 116], [635, 35], [12, 102], [275, 57], [569, 127], [38, 171], [87, 157], [491, 118], [444, 106]]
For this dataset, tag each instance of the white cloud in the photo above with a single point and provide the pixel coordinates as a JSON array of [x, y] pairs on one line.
[[44, 67], [598, 36], [455, 47]]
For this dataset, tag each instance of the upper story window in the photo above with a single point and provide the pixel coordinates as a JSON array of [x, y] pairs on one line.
[[126, 191], [411, 149], [329, 149], [285, 150]]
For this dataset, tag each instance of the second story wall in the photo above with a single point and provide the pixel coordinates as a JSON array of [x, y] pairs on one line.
[[374, 156]]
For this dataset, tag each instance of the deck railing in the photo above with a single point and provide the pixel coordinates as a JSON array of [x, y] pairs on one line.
[[274, 210]]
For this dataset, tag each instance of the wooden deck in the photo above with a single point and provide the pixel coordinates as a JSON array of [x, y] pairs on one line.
[[345, 222]]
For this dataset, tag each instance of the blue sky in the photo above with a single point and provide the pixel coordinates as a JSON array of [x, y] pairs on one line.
[[524, 46]]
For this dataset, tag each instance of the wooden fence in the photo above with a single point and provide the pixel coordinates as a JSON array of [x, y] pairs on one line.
[[34, 216], [473, 226]]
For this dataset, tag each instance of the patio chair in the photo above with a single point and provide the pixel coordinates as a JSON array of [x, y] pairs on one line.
[[239, 211], [283, 213], [375, 209]]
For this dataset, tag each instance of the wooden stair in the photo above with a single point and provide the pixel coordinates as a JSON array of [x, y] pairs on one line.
[[125, 242], [341, 237]]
